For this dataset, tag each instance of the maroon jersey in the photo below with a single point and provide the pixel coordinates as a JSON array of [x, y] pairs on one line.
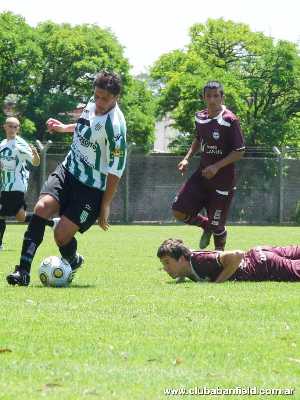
[[205, 265], [270, 264], [218, 137]]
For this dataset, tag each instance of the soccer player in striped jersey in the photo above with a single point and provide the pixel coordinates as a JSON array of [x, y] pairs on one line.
[[211, 187], [262, 263], [81, 189], [15, 155]]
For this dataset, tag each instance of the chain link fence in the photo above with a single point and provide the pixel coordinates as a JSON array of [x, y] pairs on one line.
[[268, 187]]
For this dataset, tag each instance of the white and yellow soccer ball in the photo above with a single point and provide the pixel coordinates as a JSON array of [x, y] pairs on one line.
[[55, 272]]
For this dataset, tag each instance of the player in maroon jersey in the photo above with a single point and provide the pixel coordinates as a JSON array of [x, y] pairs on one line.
[[219, 137], [263, 263]]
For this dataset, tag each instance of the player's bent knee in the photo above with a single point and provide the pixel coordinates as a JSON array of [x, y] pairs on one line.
[[180, 216], [46, 207], [40, 209]]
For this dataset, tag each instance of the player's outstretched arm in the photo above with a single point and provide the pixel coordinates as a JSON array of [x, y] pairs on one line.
[[230, 261], [183, 164], [54, 125]]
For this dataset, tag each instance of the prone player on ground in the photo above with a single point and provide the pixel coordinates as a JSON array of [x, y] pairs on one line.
[[262, 263]]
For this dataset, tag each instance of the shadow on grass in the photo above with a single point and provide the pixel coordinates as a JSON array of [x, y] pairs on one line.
[[186, 283], [78, 286]]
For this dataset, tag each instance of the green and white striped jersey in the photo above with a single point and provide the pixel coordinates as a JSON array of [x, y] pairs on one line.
[[98, 148], [14, 155]]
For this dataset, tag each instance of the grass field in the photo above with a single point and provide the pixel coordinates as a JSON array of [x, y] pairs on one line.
[[124, 330]]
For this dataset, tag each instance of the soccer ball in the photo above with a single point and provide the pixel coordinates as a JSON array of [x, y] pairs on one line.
[[55, 271]]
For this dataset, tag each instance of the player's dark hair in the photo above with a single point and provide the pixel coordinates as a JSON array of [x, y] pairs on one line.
[[213, 85], [173, 248], [109, 81]]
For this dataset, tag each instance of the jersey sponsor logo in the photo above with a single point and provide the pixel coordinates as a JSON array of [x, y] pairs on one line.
[[86, 143], [82, 157], [213, 150], [216, 135], [118, 152]]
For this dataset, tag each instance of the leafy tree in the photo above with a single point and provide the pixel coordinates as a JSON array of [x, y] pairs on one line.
[[20, 58], [50, 68], [261, 79], [71, 57], [139, 107]]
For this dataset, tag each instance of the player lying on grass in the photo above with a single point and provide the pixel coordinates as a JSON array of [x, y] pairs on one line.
[[263, 263], [81, 189]]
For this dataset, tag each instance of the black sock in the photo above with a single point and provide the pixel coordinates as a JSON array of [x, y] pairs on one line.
[[28, 218], [48, 222], [220, 240], [2, 229], [68, 251], [33, 237]]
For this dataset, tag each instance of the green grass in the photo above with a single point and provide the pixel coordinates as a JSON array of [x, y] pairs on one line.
[[124, 330]]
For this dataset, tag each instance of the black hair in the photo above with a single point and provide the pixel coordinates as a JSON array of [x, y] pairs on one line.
[[109, 81], [173, 248], [213, 85]]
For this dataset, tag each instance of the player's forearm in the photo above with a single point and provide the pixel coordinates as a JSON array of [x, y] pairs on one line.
[[193, 150], [111, 188], [230, 262], [69, 128], [231, 158]]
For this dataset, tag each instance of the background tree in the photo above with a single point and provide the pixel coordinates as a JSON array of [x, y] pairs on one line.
[[261, 79], [20, 60], [50, 69]]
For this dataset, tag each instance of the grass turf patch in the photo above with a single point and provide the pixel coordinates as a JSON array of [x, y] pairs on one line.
[[125, 330]]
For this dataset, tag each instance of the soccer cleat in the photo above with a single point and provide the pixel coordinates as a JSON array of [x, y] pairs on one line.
[[55, 222], [76, 264], [205, 239], [18, 277]]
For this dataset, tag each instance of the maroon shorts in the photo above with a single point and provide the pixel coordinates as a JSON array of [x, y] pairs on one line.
[[197, 193]]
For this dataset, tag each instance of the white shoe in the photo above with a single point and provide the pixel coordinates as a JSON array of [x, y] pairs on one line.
[[55, 222], [1, 247]]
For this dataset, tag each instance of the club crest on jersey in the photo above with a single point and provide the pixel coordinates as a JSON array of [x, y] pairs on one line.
[[98, 126], [216, 135]]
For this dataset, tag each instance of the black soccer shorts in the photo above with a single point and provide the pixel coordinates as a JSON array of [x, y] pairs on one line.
[[11, 203], [78, 202]]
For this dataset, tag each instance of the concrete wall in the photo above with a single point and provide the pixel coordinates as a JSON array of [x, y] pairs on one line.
[[151, 182]]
